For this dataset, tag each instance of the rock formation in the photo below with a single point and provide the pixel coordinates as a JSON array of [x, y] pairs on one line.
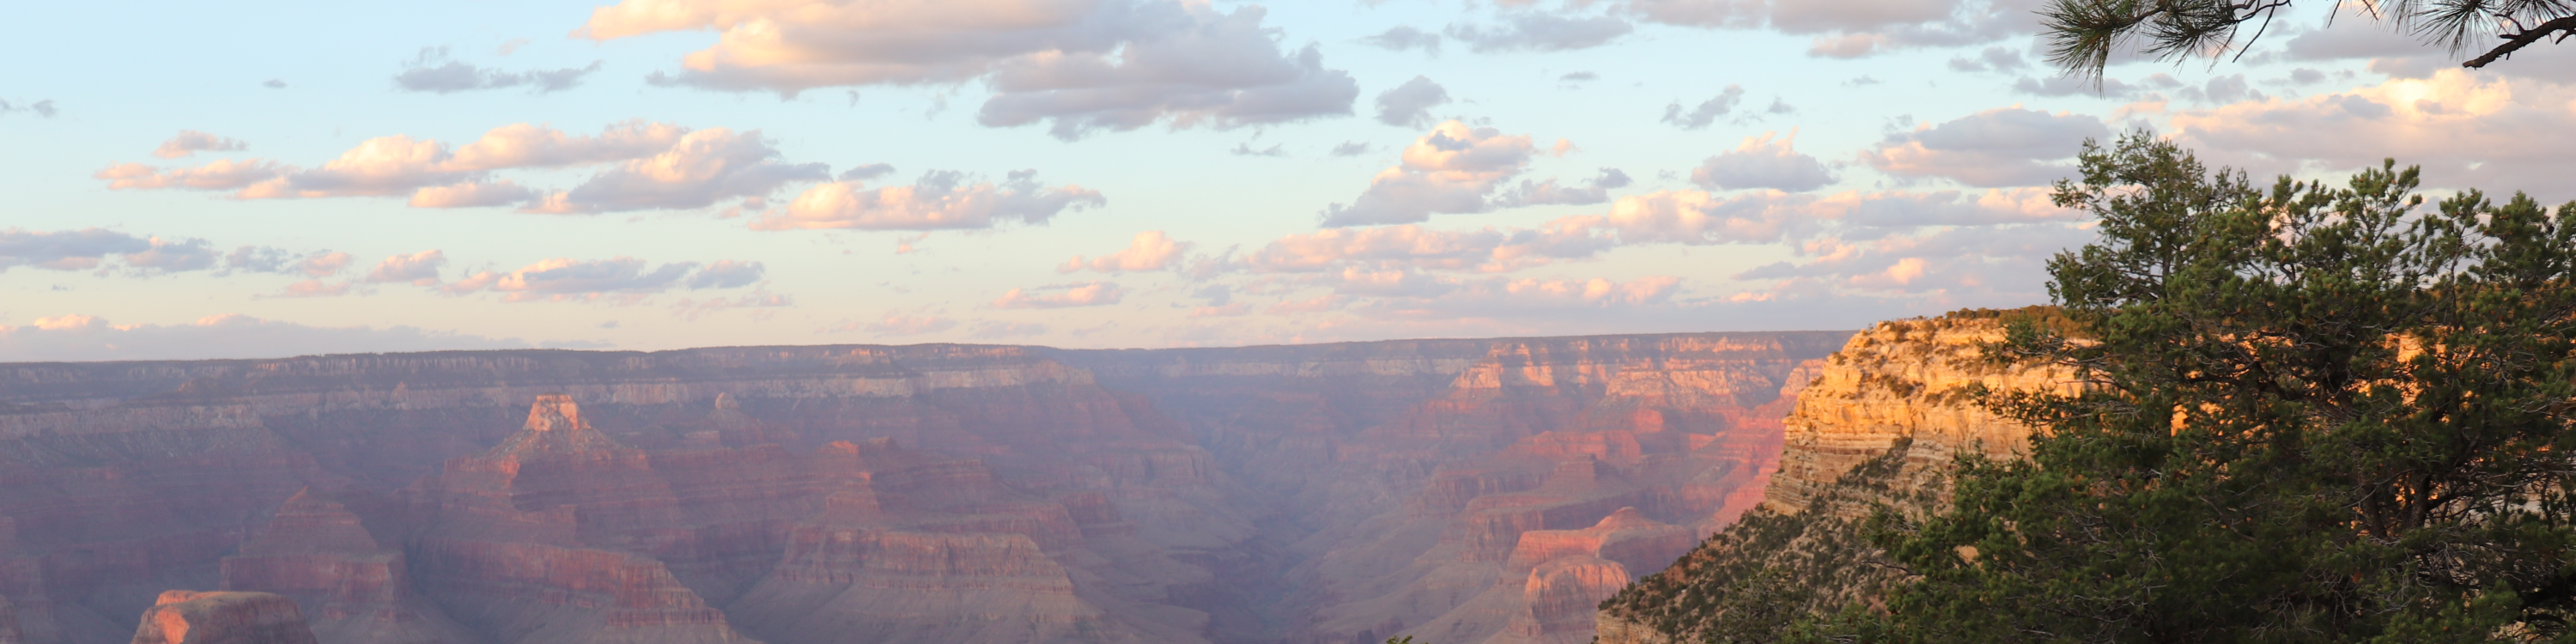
[[188, 617], [933, 494], [1879, 427]]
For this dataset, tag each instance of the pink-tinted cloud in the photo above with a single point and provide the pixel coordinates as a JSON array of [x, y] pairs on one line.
[[417, 269], [1761, 163], [1416, 246], [2466, 129], [941, 200], [1085, 65], [1150, 251], [1852, 28], [1061, 296], [68, 250], [1451, 170], [621, 279]]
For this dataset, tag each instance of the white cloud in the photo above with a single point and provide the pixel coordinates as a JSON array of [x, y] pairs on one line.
[[1150, 251], [86, 338], [940, 200], [1760, 163], [1061, 296], [1083, 64], [1994, 148]]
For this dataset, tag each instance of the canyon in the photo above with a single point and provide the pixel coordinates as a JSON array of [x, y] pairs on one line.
[[1459, 491]]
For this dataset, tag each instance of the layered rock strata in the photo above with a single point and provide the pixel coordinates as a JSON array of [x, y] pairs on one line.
[[938, 493], [1879, 428]]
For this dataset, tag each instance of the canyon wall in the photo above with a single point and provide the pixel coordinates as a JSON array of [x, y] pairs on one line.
[[1467, 490], [1880, 427]]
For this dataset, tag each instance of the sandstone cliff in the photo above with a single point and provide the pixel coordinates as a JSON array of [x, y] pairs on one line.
[[1880, 427], [936, 493], [184, 617]]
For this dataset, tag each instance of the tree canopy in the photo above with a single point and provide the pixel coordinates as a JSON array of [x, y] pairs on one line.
[[2308, 413], [2084, 34]]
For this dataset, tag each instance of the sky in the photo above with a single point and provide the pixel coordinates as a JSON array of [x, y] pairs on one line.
[[215, 180]]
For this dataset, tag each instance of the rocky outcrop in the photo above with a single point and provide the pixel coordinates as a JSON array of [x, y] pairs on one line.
[[188, 617], [937, 493], [1879, 428]]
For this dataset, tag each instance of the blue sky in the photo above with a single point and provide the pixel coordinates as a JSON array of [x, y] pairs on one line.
[[1115, 173]]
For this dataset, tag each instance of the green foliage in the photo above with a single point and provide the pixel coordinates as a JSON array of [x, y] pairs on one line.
[[2083, 34], [2309, 414]]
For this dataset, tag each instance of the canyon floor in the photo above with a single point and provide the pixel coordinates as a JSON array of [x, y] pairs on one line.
[[1461, 491]]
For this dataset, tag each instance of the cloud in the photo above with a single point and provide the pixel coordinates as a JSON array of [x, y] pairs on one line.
[[68, 250], [1706, 112], [417, 269], [703, 167], [2465, 129], [622, 279], [2007, 258], [427, 74], [1083, 66], [1578, 77], [1350, 149], [1760, 163], [173, 256], [2053, 86], [273, 83], [1994, 148], [232, 336], [1852, 28], [190, 142], [1450, 170], [44, 108], [1058, 296], [865, 172], [1539, 31], [1992, 59], [1150, 251], [1409, 105], [940, 200], [651, 166], [1595, 190], [1401, 38], [1244, 149], [692, 308]]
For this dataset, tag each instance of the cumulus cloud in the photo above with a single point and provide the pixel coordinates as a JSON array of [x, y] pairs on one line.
[[1992, 59], [1350, 149], [432, 72], [417, 269], [1994, 148], [173, 256], [1401, 38], [89, 338], [1059, 296], [1150, 251], [1957, 259], [1852, 28], [650, 166], [1760, 163], [1082, 65], [1450, 170], [1409, 105], [2465, 129], [703, 167], [1540, 31], [1410, 246], [190, 142], [940, 200], [621, 279], [1706, 112]]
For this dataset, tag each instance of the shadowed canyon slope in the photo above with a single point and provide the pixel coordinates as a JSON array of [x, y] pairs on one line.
[[1463, 490]]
